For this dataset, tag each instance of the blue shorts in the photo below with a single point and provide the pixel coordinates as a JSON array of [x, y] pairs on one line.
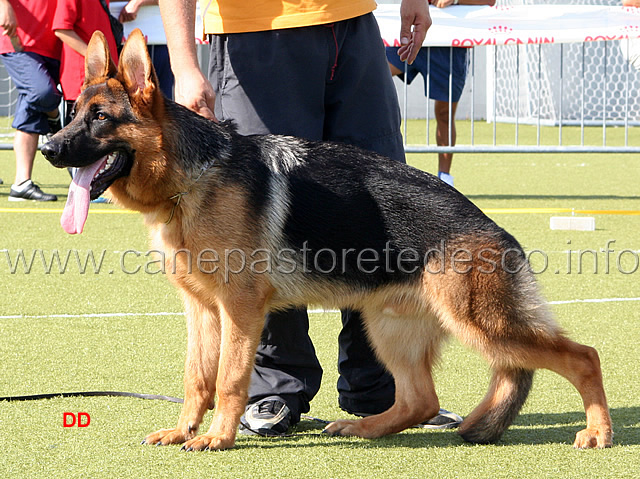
[[36, 79], [433, 62]]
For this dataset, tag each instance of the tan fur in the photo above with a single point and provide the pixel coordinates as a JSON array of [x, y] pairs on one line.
[[504, 318]]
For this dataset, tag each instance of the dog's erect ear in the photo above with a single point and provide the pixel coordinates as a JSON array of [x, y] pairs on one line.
[[135, 68], [97, 62]]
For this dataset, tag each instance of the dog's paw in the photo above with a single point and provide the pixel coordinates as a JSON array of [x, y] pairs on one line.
[[208, 442], [164, 437], [594, 437], [343, 427]]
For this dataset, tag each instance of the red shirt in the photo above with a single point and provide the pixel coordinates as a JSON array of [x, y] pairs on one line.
[[34, 28], [84, 17]]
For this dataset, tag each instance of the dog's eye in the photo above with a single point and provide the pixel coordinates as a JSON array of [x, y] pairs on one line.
[[101, 116]]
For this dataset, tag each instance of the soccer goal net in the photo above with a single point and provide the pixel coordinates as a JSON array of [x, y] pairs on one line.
[[590, 82], [8, 97]]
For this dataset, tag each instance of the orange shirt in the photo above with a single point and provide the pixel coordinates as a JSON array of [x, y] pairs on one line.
[[233, 16]]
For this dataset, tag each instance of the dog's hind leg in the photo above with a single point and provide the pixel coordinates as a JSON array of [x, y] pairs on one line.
[[580, 365], [509, 387], [500, 313], [407, 346], [201, 369]]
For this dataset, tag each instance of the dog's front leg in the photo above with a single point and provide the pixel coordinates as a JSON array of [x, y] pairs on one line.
[[201, 369], [242, 323]]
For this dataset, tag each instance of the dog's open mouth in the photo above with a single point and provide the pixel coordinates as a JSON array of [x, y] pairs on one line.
[[88, 184], [112, 167]]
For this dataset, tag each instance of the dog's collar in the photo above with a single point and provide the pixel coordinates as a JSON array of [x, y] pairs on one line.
[[178, 196], [175, 205]]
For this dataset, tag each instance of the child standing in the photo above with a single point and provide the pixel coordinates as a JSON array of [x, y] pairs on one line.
[[74, 22]]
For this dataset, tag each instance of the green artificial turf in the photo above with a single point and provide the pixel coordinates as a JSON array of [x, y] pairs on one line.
[[116, 329]]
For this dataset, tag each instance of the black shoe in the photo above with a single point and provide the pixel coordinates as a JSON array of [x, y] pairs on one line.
[[54, 126], [268, 417], [31, 192], [443, 420]]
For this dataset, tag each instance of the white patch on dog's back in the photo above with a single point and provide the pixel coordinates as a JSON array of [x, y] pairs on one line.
[[282, 153]]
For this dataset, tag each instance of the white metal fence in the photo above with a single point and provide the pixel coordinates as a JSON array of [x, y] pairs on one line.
[[577, 93]]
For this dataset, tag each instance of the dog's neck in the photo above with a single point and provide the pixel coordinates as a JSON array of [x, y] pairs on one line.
[[178, 196]]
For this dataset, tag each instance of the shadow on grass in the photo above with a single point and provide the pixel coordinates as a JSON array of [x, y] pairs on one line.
[[528, 429]]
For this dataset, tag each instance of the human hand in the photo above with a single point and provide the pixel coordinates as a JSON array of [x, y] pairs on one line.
[[129, 12], [415, 21], [8, 20], [194, 91]]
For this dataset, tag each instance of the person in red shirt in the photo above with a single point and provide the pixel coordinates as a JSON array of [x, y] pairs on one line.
[[30, 53], [74, 22]]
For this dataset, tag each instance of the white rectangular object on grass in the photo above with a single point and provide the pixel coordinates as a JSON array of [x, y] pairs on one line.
[[575, 223]]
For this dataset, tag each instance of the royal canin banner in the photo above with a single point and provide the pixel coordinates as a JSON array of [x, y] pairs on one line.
[[469, 26]]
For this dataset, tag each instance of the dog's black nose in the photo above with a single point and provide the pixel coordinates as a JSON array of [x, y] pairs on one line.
[[51, 150]]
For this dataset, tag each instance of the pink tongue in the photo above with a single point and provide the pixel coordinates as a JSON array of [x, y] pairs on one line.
[[76, 210]]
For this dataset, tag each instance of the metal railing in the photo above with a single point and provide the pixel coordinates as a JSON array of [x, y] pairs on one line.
[[627, 79]]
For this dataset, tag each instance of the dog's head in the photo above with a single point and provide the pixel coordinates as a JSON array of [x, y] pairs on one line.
[[114, 124]]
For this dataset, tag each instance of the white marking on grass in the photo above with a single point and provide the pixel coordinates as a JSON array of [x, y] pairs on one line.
[[312, 311], [88, 315], [599, 300]]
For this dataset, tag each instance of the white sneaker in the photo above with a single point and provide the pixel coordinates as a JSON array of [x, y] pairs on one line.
[[446, 177]]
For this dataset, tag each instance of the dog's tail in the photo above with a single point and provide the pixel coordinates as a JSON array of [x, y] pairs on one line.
[[507, 394]]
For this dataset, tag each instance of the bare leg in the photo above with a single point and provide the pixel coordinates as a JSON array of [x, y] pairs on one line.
[[441, 110], [25, 146]]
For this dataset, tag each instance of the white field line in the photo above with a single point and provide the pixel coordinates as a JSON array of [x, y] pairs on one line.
[[313, 311]]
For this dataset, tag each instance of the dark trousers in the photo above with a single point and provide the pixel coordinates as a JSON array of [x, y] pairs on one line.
[[326, 82]]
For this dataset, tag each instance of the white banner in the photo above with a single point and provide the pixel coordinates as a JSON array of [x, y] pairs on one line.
[[149, 22], [469, 26]]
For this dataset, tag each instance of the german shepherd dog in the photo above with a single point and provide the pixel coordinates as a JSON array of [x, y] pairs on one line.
[[251, 224]]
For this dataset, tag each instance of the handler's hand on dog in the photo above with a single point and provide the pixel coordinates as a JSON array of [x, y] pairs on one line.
[[194, 91], [413, 13]]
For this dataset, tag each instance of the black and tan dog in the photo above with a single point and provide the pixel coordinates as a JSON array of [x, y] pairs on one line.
[[253, 224]]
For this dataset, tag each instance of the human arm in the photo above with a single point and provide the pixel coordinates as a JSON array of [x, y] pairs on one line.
[[631, 3], [8, 20], [192, 89], [71, 38], [446, 3], [413, 13], [130, 11]]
